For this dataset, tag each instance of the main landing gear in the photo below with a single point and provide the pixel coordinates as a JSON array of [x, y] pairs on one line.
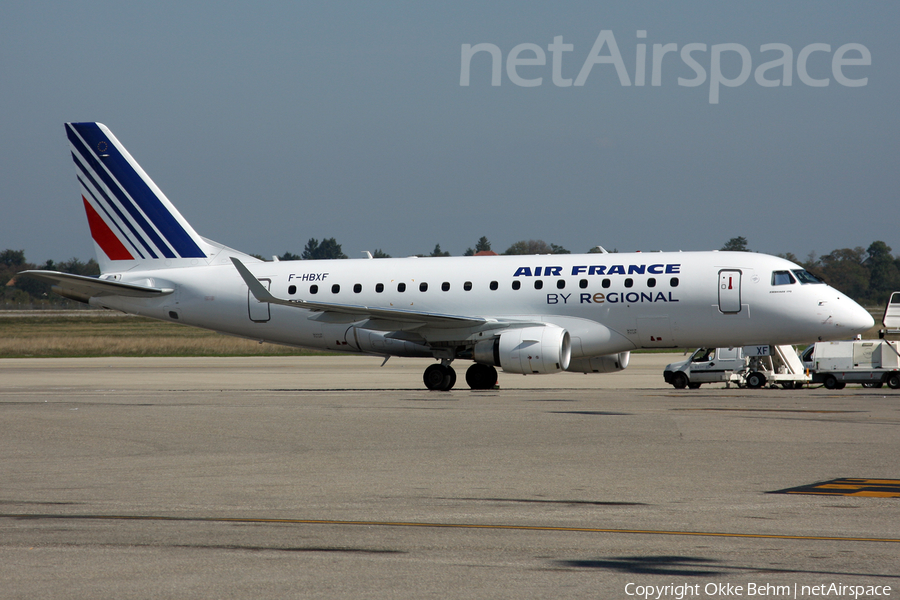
[[442, 377]]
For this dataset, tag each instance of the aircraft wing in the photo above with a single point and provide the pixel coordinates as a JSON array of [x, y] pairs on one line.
[[392, 314], [82, 288]]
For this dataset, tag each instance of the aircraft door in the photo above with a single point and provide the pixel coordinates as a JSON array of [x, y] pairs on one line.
[[259, 311], [730, 291]]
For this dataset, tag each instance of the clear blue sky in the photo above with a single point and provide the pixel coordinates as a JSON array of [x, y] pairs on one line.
[[269, 123]]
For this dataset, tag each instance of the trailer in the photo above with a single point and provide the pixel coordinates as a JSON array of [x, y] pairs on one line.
[[749, 366], [872, 363]]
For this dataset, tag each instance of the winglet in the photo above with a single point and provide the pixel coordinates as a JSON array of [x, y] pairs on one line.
[[258, 290]]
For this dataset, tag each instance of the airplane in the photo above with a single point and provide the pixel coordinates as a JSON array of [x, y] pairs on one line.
[[537, 314]]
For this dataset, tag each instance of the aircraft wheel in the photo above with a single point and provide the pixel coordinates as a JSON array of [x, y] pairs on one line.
[[481, 377], [894, 381], [755, 380], [439, 377], [450, 379], [830, 382], [679, 381]]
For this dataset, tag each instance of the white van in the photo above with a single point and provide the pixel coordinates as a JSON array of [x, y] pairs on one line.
[[748, 366]]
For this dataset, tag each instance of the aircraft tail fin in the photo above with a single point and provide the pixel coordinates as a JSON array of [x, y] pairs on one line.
[[132, 222]]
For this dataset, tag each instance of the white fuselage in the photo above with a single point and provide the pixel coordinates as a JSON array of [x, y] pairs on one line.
[[607, 302]]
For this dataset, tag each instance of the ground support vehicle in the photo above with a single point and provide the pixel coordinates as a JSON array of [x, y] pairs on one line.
[[749, 366], [872, 363]]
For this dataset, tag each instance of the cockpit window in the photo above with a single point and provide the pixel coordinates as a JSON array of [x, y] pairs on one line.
[[782, 278], [806, 277]]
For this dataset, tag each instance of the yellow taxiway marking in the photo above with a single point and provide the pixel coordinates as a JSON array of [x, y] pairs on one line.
[[866, 488], [769, 536]]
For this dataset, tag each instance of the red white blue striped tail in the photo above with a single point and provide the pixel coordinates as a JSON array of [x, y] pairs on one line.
[[132, 222]]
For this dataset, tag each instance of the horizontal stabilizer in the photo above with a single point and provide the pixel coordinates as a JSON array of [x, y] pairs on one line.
[[82, 288], [260, 292]]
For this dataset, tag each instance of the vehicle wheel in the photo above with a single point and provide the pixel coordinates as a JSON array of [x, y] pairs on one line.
[[694, 386], [787, 385], [830, 382], [679, 381], [841, 385], [755, 380], [894, 381], [481, 377], [798, 385], [439, 377]]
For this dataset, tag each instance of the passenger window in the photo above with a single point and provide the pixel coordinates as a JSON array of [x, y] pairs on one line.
[[782, 278], [379, 287], [494, 285], [516, 284], [292, 289], [313, 289], [423, 287], [445, 286], [651, 282], [335, 288], [560, 284], [629, 282], [673, 282], [538, 284], [357, 288], [401, 287], [467, 286], [606, 283], [583, 284]]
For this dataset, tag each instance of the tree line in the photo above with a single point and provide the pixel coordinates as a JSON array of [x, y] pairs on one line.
[[868, 275], [329, 249]]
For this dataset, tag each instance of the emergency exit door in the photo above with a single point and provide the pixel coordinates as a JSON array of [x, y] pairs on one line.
[[259, 311], [730, 291]]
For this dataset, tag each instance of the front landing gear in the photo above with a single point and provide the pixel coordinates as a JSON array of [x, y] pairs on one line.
[[439, 377]]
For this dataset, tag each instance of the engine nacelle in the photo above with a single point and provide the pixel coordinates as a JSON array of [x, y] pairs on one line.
[[608, 363], [530, 350]]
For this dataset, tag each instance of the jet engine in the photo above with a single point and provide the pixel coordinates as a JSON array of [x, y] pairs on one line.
[[608, 363], [537, 350]]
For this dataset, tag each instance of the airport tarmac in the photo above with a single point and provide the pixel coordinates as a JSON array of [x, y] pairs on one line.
[[334, 477]]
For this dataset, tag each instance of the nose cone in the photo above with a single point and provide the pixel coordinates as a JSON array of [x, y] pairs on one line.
[[850, 318]]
